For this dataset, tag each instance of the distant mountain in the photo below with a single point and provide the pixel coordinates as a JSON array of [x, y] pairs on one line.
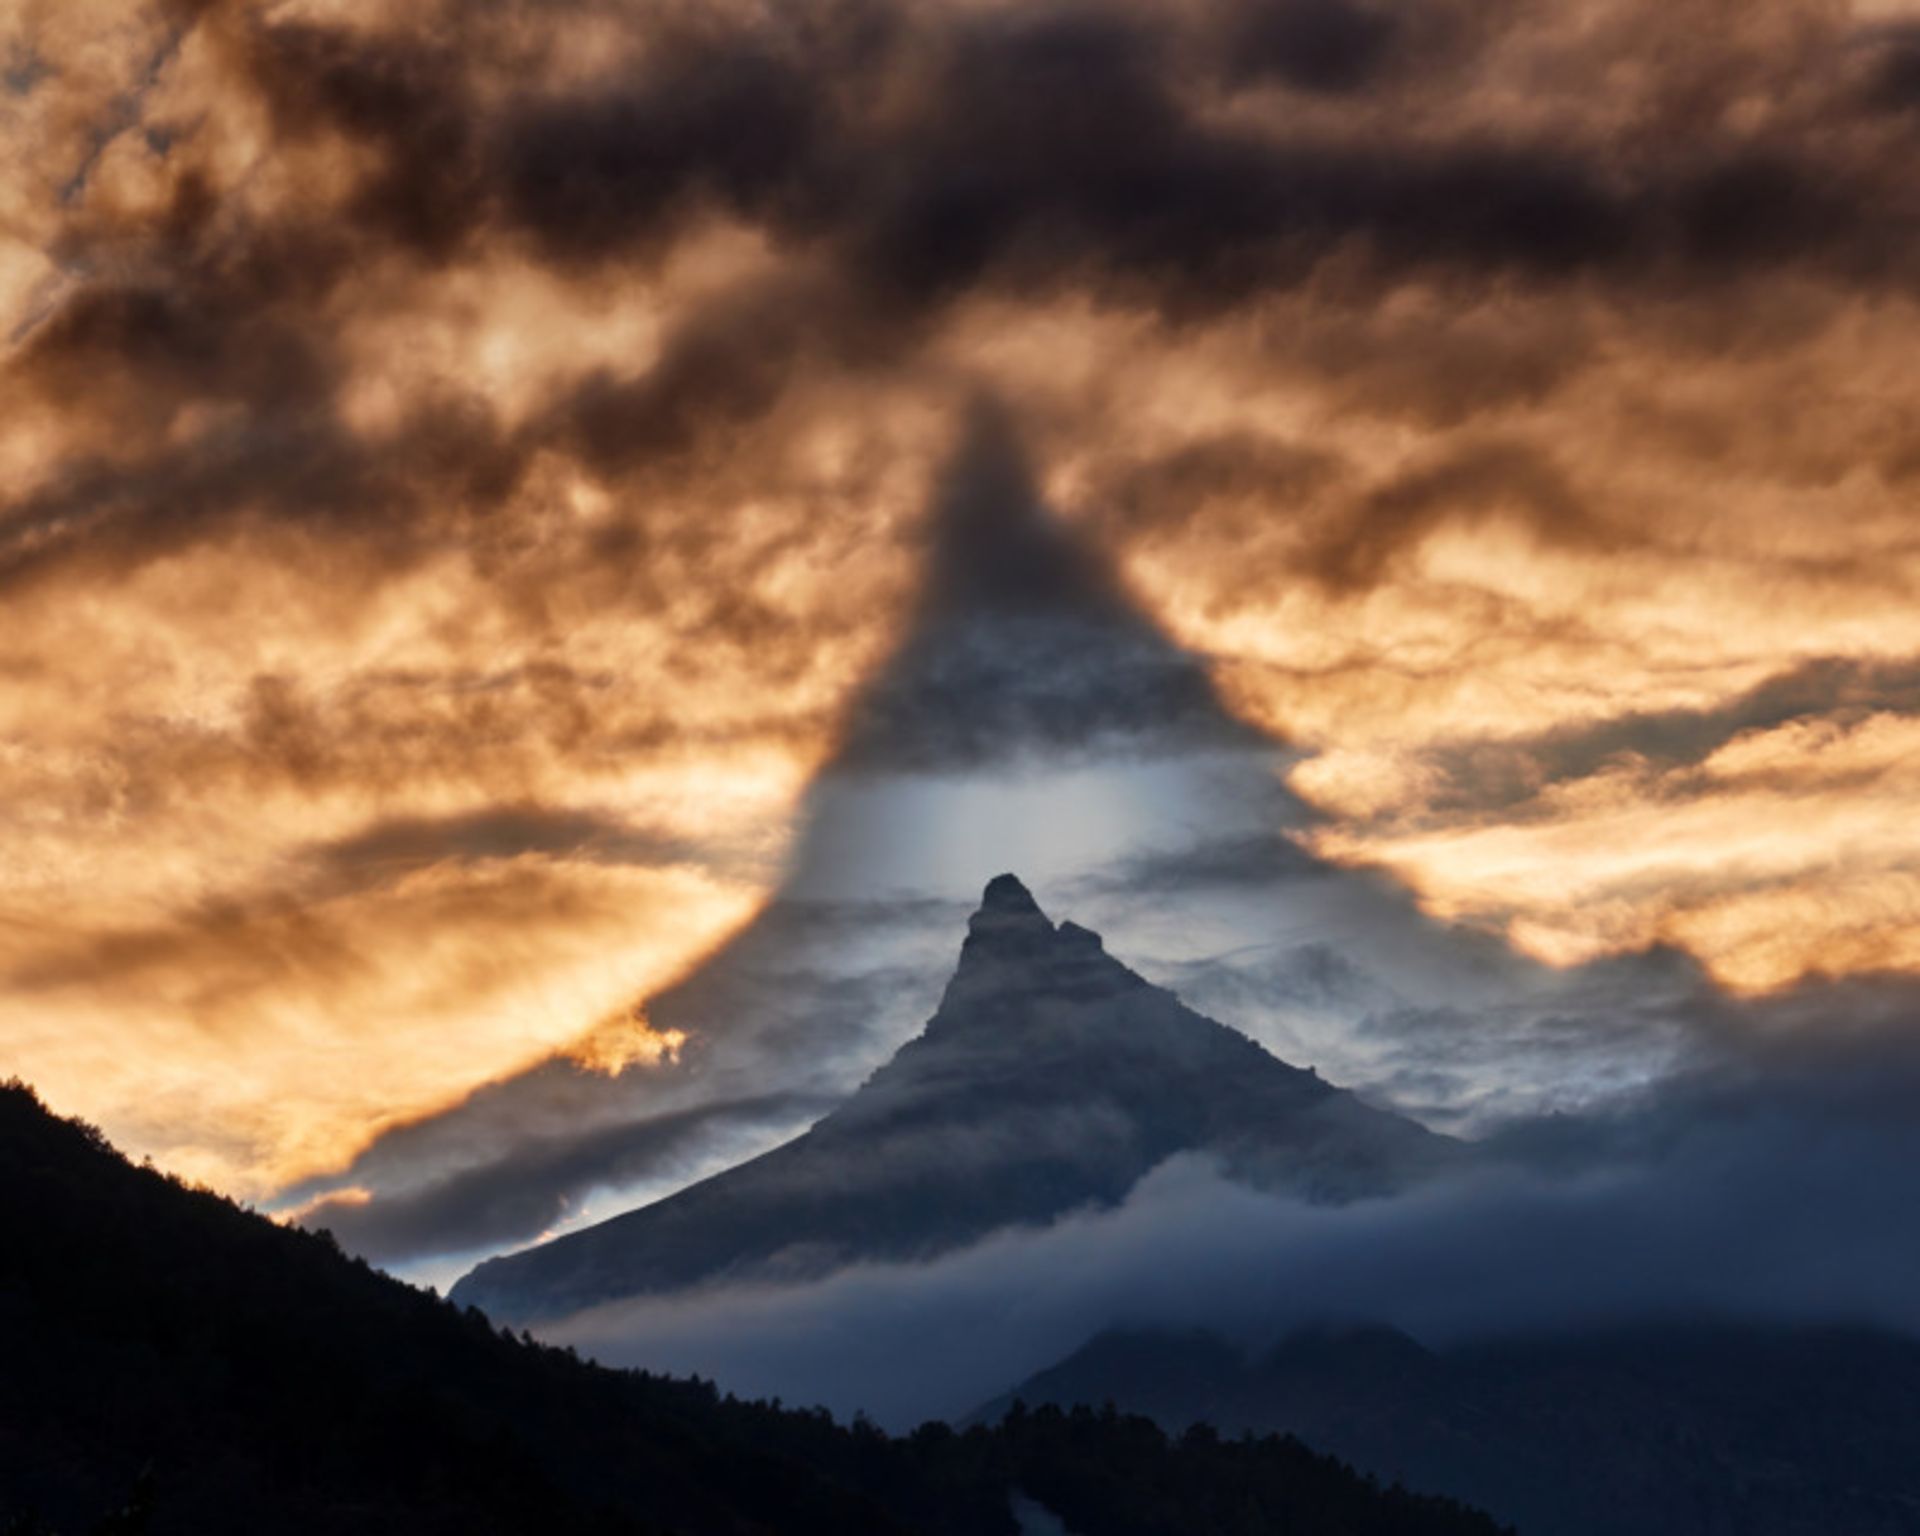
[[172, 1364], [1050, 1079], [1670, 1430]]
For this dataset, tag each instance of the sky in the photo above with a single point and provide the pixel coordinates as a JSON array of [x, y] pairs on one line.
[[547, 550]]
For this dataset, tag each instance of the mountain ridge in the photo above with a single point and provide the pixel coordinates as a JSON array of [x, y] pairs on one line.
[[1664, 1427], [1051, 1078]]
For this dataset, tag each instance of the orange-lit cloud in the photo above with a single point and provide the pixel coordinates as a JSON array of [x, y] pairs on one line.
[[459, 463], [623, 1041]]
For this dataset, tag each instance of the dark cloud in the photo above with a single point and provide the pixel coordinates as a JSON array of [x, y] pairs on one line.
[[1443, 369], [537, 1183], [236, 949], [408, 97], [1490, 482], [500, 832], [1894, 80], [1034, 139], [1259, 859], [725, 366], [1023, 690], [1836, 691], [1052, 154], [1025, 643], [908, 161], [307, 477], [1053, 147], [739, 122], [993, 548], [155, 344], [1232, 481], [1314, 45]]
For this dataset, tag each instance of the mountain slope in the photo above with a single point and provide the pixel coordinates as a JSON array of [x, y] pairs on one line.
[[177, 1365], [1664, 1430], [1050, 1078]]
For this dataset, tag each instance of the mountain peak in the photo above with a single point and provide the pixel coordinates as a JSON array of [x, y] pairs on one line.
[[1051, 1078], [1009, 924], [1013, 955], [1007, 893]]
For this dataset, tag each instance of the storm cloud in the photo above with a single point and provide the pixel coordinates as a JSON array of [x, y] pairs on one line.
[[469, 469], [534, 1186], [1025, 642]]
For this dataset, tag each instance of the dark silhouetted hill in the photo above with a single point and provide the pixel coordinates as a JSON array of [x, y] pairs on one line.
[[1051, 1079], [1669, 1430], [170, 1363]]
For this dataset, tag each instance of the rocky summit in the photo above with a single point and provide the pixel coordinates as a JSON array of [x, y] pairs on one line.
[[1050, 1080]]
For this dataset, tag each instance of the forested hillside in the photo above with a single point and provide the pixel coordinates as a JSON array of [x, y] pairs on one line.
[[177, 1364]]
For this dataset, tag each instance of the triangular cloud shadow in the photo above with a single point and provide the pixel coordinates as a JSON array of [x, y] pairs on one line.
[[1026, 664]]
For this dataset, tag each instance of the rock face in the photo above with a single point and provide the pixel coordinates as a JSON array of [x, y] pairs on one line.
[[1050, 1079]]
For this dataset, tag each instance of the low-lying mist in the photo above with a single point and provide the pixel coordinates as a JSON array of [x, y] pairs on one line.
[[1785, 1196]]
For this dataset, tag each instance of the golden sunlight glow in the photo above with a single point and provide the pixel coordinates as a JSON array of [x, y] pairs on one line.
[[430, 580], [1471, 711], [623, 1041]]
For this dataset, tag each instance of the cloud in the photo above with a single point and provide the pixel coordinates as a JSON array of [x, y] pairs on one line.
[[1025, 643], [1313, 45], [1767, 1192], [1480, 481], [503, 832], [1259, 859], [536, 1185], [424, 417], [805, 997]]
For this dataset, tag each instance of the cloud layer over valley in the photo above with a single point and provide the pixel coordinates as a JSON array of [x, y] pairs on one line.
[[1774, 1191]]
